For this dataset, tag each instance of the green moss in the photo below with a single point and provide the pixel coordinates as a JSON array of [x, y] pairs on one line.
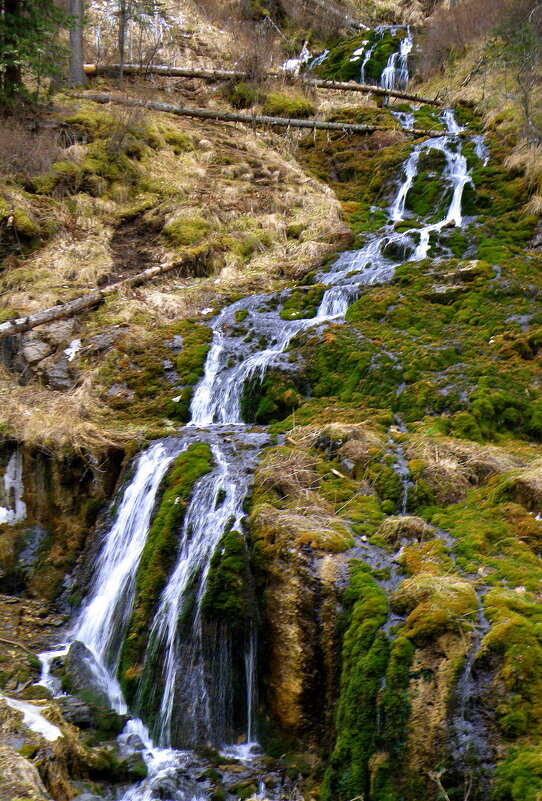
[[244, 95], [278, 104], [138, 367], [177, 140], [158, 557], [365, 653], [519, 777], [302, 304], [184, 231], [435, 604], [269, 399], [226, 596]]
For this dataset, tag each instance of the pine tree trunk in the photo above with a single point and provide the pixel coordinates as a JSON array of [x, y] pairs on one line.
[[77, 71]]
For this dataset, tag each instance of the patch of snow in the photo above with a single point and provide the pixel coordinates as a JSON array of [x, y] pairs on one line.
[[33, 718], [72, 349]]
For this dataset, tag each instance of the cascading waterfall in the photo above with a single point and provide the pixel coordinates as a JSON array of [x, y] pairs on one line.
[[194, 669], [395, 73], [15, 509], [102, 624], [189, 686]]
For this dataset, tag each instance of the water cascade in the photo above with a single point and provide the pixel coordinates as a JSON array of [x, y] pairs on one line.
[[193, 670], [395, 73], [104, 619], [15, 509]]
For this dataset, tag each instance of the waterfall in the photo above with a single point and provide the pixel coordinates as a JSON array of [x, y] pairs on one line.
[[190, 664], [15, 510], [103, 621], [189, 685], [395, 73]]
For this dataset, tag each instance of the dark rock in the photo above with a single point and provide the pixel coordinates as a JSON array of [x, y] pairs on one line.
[[398, 249], [82, 676], [57, 373], [76, 711]]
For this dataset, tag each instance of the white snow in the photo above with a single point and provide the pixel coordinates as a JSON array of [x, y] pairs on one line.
[[72, 349], [33, 718]]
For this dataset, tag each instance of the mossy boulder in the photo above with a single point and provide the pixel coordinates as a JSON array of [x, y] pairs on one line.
[[278, 104]]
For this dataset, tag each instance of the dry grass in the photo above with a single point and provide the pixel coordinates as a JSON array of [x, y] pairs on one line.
[[26, 151], [293, 475], [451, 466], [64, 423], [283, 530], [526, 158]]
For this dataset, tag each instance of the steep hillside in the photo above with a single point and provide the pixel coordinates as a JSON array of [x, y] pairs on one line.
[[270, 516]]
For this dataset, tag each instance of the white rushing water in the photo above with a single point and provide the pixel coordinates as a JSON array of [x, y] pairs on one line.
[[203, 526], [103, 621], [15, 510], [34, 719], [395, 73]]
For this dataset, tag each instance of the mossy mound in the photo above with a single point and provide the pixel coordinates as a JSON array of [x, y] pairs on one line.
[[434, 603], [394, 529]]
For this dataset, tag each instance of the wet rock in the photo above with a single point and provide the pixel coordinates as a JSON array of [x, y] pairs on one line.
[[19, 778], [135, 743], [398, 249], [82, 676], [36, 351], [57, 373], [76, 711], [89, 797]]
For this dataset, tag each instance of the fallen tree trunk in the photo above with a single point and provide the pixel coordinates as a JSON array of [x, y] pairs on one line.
[[73, 307], [247, 119], [239, 75]]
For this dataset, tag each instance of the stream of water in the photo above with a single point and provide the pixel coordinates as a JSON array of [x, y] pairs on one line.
[[196, 702]]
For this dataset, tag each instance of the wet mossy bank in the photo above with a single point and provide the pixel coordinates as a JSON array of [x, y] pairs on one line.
[[449, 348]]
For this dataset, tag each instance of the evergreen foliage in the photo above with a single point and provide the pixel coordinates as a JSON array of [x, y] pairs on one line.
[[29, 47]]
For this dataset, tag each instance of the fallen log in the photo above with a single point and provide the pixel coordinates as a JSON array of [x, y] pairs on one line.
[[247, 119], [239, 75], [73, 307]]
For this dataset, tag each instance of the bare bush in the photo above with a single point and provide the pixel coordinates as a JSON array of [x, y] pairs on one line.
[[26, 151], [453, 29]]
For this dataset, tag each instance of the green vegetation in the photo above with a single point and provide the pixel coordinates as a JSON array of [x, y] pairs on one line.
[[278, 104], [365, 654], [226, 596], [135, 382], [343, 62]]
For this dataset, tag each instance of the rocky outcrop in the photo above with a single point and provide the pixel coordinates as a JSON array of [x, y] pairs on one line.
[[19, 778]]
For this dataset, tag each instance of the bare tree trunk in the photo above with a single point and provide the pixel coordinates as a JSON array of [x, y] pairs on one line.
[[123, 15], [248, 119], [77, 72]]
